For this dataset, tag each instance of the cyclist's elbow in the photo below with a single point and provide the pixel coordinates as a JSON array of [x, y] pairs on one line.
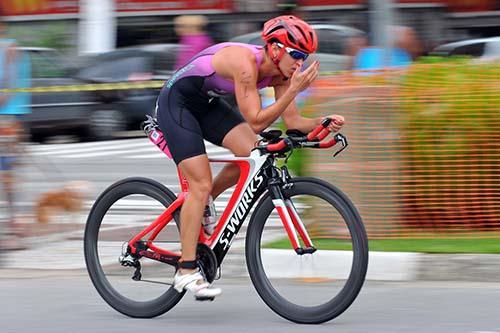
[[257, 126]]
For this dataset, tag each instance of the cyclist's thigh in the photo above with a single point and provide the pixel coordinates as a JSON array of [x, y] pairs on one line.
[[225, 126], [220, 119], [240, 140], [180, 127]]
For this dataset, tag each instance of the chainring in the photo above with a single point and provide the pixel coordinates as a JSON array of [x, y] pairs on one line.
[[207, 261]]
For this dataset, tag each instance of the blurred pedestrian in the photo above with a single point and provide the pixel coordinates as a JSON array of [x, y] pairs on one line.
[[407, 39], [353, 46], [406, 47], [13, 74], [193, 38]]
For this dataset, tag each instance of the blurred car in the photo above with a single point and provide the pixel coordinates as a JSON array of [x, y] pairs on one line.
[[54, 113], [95, 115], [477, 48], [332, 46], [120, 110]]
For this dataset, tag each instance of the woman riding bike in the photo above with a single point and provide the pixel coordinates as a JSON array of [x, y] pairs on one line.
[[189, 110]]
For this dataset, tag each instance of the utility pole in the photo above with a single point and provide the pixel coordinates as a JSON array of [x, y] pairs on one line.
[[381, 18], [97, 26]]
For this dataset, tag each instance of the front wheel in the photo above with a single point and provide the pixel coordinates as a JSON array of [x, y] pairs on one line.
[[309, 288]]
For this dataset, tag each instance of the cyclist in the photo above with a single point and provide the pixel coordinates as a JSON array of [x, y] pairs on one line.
[[189, 110]]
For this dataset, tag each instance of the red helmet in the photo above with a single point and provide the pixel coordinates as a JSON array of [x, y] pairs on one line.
[[292, 32]]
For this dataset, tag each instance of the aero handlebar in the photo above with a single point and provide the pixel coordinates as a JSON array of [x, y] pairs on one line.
[[311, 140]]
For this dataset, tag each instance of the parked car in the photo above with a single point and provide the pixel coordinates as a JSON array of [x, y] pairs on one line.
[[477, 48], [332, 44], [120, 110], [54, 113], [96, 114]]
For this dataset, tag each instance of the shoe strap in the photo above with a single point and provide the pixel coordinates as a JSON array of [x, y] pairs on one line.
[[191, 264]]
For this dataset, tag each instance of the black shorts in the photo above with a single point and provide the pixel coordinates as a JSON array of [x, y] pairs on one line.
[[186, 116]]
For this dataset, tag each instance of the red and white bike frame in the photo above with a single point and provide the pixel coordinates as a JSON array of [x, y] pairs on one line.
[[252, 183]]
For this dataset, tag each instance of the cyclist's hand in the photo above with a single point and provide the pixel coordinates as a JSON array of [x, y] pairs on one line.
[[302, 80], [337, 122]]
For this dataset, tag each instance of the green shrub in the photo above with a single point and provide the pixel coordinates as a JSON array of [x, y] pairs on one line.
[[52, 35], [450, 124]]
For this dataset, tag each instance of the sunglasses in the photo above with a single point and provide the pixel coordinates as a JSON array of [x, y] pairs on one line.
[[295, 54]]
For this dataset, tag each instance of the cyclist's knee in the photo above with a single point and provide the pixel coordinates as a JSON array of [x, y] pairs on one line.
[[200, 188]]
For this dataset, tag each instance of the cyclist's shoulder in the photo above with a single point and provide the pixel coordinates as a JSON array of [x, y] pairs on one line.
[[236, 59], [237, 52]]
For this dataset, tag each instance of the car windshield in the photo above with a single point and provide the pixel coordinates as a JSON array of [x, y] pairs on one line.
[[115, 68], [48, 63]]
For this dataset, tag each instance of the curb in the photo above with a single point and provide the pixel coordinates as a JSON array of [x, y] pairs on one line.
[[382, 266]]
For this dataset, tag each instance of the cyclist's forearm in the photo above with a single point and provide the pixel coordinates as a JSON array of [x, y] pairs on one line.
[[300, 123], [265, 117]]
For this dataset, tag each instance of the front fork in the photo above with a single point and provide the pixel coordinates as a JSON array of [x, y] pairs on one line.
[[288, 213]]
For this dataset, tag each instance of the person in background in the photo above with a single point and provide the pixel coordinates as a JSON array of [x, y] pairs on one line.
[[14, 73], [193, 37], [406, 48]]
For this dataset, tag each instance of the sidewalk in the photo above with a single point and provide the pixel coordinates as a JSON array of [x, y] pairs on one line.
[[60, 247]]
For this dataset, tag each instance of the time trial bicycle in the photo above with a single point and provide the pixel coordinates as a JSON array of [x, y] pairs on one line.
[[297, 215]]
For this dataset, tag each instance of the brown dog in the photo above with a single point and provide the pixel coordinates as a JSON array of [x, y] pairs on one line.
[[68, 199]]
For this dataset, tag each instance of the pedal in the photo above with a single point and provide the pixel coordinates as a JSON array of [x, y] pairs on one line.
[[202, 299]]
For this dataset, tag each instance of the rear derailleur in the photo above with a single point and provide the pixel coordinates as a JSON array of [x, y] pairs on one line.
[[128, 260]]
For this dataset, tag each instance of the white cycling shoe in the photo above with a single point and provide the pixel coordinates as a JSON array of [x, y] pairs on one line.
[[195, 283]]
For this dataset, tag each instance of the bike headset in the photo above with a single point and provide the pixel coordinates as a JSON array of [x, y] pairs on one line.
[[291, 32]]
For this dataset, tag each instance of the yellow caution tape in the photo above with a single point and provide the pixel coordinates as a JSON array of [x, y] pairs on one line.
[[112, 86], [103, 86], [89, 87]]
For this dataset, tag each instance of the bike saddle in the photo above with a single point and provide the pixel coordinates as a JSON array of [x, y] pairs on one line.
[[271, 136]]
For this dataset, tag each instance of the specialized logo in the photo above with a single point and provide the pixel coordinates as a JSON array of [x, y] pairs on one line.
[[241, 211], [177, 74]]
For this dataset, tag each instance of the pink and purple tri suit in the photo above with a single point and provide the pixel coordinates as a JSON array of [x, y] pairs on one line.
[[189, 107]]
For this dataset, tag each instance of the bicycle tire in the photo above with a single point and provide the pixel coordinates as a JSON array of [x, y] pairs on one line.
[[335, 306], [129, 307]]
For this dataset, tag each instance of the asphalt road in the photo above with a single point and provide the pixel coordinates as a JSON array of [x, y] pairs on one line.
[[65, 301], [43, 301]]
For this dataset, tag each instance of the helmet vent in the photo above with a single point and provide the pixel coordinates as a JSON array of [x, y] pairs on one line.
[[302, 32], [274, 29]]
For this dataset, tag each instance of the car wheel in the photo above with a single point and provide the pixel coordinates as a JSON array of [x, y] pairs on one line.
[[37, 137], [104, 124]]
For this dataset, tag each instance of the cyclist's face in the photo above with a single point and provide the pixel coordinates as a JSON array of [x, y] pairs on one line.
[[288, 64]]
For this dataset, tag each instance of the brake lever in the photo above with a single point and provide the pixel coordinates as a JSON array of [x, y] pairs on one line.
[[343, 140]]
